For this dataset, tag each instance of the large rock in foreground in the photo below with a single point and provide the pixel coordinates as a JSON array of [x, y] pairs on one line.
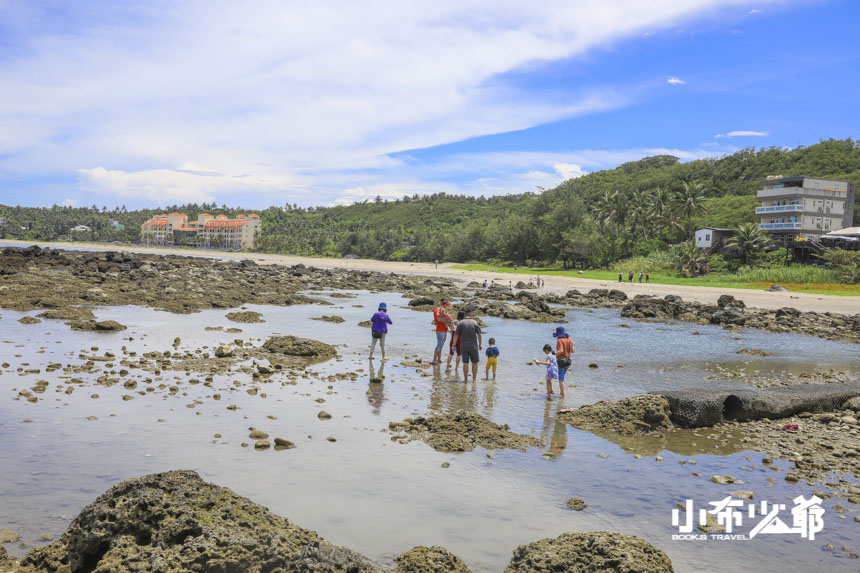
[[628, 416], [175, 521], [595, 552]]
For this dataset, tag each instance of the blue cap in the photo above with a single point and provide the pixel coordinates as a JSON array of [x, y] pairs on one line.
[[382, 306], [559, 332]]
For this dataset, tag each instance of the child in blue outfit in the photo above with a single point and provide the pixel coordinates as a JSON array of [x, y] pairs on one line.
[[492, 353], [551, 371], [379, 328]]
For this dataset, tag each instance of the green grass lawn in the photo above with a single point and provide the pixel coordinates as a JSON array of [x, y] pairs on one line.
[[756, 280]]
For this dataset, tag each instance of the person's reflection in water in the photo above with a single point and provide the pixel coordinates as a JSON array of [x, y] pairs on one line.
[[555, 429], [446, 394], [375, 388]]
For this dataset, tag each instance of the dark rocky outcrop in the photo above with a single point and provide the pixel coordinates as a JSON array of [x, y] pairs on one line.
[[594, 552], [175, 521], [699, 407]]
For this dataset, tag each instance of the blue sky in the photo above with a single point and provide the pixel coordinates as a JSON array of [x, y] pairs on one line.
[[149, 104]]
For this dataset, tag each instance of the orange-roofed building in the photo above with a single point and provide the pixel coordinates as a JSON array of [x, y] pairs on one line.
[[208, 230]]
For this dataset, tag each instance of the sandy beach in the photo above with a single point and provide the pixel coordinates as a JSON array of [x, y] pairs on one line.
[[754, 298]]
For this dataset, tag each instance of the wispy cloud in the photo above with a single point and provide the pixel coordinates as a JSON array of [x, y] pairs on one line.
[[743, 133], [676, 81]]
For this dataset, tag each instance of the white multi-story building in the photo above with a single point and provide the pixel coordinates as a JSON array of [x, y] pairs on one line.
[[208, 230], [806, 207]]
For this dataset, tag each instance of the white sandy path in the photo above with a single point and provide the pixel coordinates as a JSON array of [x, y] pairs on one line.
[[755, 298]]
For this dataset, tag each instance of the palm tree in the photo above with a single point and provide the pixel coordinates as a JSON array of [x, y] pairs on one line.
[[690, 203], [639, 205], [606, 210], [750, 238], [691, 260]]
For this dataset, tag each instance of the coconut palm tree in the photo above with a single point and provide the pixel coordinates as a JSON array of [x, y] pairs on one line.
[[690, 260], [690, 202], [639, 204], [750, 239], [609, 211]]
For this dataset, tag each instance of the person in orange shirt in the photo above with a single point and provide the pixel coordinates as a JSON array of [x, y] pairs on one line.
[[441, 319], [563, 352]]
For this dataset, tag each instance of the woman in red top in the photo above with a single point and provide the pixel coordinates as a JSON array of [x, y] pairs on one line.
[[441, 318]]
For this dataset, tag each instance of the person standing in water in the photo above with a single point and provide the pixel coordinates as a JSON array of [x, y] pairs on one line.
[[563, 352], [551, 371], [379, 328], [441, 319], [468, 335]]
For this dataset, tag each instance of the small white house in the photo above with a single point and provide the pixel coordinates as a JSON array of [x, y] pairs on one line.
[[710, 236], [81, 228]]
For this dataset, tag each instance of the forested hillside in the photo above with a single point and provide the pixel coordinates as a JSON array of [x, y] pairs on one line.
[[635, 208]]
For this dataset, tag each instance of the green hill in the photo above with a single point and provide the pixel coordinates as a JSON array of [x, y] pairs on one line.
[[595, 219]]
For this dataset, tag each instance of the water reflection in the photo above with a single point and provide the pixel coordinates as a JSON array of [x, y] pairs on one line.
[[375, 387], [554, 431]]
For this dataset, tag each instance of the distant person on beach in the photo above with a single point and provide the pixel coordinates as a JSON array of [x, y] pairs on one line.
[[551, 371], [620, 277], [511, 286], [538, 281], [493, 283], [454, 349], [630, 276], [647, 277], [492, 359], [640, 277], [468, 335], [441, 319], [485, 284], [379, 328], [563, 352], [436, 264]]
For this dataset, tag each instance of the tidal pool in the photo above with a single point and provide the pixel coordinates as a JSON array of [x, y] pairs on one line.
[[380, 497]]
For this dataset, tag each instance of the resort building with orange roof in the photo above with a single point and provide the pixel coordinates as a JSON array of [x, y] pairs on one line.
[[216, 231]]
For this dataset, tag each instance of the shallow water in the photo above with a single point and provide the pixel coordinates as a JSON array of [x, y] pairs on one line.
[[379, 497]]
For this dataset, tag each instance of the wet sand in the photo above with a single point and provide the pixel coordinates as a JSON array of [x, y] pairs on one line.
[[754, 298]]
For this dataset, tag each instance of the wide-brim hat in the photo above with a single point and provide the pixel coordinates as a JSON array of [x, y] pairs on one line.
[[559, 332], [382, 306]]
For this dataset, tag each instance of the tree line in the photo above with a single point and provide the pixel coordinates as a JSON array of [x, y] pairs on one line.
[[591, 221]]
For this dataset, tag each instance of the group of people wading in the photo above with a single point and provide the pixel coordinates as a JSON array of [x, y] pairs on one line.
[[467, 342]]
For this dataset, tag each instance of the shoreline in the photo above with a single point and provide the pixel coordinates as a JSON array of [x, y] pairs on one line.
[[708, 295]]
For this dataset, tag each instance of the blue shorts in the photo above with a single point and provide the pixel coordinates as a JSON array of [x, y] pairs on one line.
[[440, 340], [470, 355]]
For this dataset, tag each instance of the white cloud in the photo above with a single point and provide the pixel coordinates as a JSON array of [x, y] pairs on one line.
[[569, 170], [743, 134], [754, 12], [676, 81], [196, 100], [70, 202]]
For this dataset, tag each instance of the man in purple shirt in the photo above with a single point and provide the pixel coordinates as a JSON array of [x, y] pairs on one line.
[[379, 328]]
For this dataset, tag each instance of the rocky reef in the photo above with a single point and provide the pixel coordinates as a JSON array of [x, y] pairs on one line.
[[175, 522]]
